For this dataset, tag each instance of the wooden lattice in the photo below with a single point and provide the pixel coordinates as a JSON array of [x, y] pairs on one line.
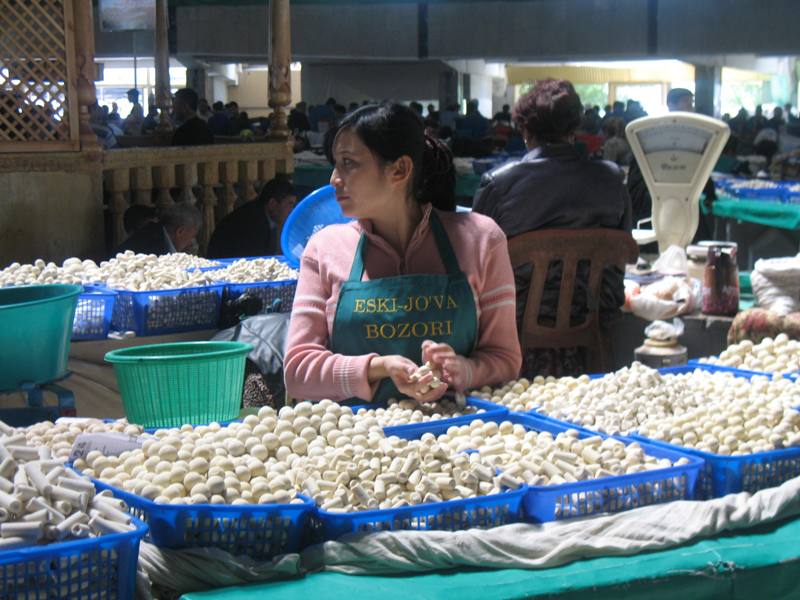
[[36, 62]]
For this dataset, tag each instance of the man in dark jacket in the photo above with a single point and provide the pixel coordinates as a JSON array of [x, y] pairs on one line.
[[254, 228], [554, 187], [193, 131], [175, 231]]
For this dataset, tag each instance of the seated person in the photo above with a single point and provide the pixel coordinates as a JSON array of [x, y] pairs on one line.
[[192, 131], [137, 216], [175, 231], [553, 187], [442, 281], [254, 229]]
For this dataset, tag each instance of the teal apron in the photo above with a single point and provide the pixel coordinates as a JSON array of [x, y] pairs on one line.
[[394, 315]]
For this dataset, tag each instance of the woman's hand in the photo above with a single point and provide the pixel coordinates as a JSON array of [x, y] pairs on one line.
[[443, 358], [399, 369]]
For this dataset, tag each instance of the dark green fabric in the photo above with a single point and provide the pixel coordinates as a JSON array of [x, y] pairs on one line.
[[763, 562], [771, 214]]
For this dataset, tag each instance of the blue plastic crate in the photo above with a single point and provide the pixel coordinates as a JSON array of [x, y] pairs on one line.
[[609, 494], [723, 475], [93, 313], [261, 531], [277, 296], [452, 515], [168, 311], [696, 363], [490, 410], [90, 568]]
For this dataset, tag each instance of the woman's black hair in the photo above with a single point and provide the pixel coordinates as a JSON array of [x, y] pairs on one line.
[[391, 130]]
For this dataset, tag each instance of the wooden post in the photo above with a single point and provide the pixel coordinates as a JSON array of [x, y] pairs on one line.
[[163, 95], [208, 173], [84, 54], [280, 88]]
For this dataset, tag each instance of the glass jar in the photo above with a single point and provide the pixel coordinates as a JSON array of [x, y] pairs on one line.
[[721, 280]]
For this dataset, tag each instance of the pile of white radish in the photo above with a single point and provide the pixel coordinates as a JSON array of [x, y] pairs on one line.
[[686, 409], [404, 412], [255, 270], [781, 355], [41, 501], [60, 436], [126, 271], [538, 458]]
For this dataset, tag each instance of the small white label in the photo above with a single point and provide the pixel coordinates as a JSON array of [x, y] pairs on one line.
[[109, 444]]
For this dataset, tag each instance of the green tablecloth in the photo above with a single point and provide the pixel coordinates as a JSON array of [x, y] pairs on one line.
[[771, 214], [313, 176], [763, 562]]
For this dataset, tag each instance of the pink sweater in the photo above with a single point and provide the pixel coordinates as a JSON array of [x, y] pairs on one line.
[[313, 372]]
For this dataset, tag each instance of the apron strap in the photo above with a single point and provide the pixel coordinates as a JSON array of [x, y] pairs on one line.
[[446, 252], [357, 269]]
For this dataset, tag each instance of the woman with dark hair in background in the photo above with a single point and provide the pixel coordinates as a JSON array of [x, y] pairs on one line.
[[408, 282], [553, 187]]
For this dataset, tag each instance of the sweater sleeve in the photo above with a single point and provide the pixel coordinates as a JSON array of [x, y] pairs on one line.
[[311, 370], [497, 356]]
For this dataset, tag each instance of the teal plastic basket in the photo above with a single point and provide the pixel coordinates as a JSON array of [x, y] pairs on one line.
[[167, 385], [35, 330]]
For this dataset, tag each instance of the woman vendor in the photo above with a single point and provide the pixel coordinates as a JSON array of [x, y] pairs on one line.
[[408, 282]]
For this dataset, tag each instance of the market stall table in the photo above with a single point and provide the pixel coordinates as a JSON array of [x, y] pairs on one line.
[[761, 562], [761, 229]]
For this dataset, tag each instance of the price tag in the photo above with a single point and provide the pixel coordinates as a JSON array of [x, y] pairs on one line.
[[109, 444]]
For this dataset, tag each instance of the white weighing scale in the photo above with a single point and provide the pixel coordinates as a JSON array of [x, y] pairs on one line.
[[676, 154]]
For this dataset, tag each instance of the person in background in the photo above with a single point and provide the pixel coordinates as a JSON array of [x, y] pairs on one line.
[[97, 121], [616, 148], [504, 115], [441, 280], [591, 121], [554, 187], [433, 114], [113, 116], [219, 123], [788, 110], [191, 131], [777, 120], [150, 121], [204, 110], [473, 124], [447, 117], [132, 125], [758, 121], [175, 231], [298, 118], [339, 111], [241, 124], [617, 111], [352, 106], [254, 229], [137, 216], [322, 116]]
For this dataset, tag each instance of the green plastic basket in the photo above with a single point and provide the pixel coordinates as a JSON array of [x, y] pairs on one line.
[[169, 385], [35, 331]]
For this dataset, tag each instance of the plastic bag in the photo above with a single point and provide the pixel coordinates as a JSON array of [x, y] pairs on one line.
[[664, 330], [672, 261], [776, 284], [665, 299]]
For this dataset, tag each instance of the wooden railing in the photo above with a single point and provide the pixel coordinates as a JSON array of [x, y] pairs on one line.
[[214, 178]]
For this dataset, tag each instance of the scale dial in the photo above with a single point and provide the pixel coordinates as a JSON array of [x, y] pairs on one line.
[[673, 153]]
